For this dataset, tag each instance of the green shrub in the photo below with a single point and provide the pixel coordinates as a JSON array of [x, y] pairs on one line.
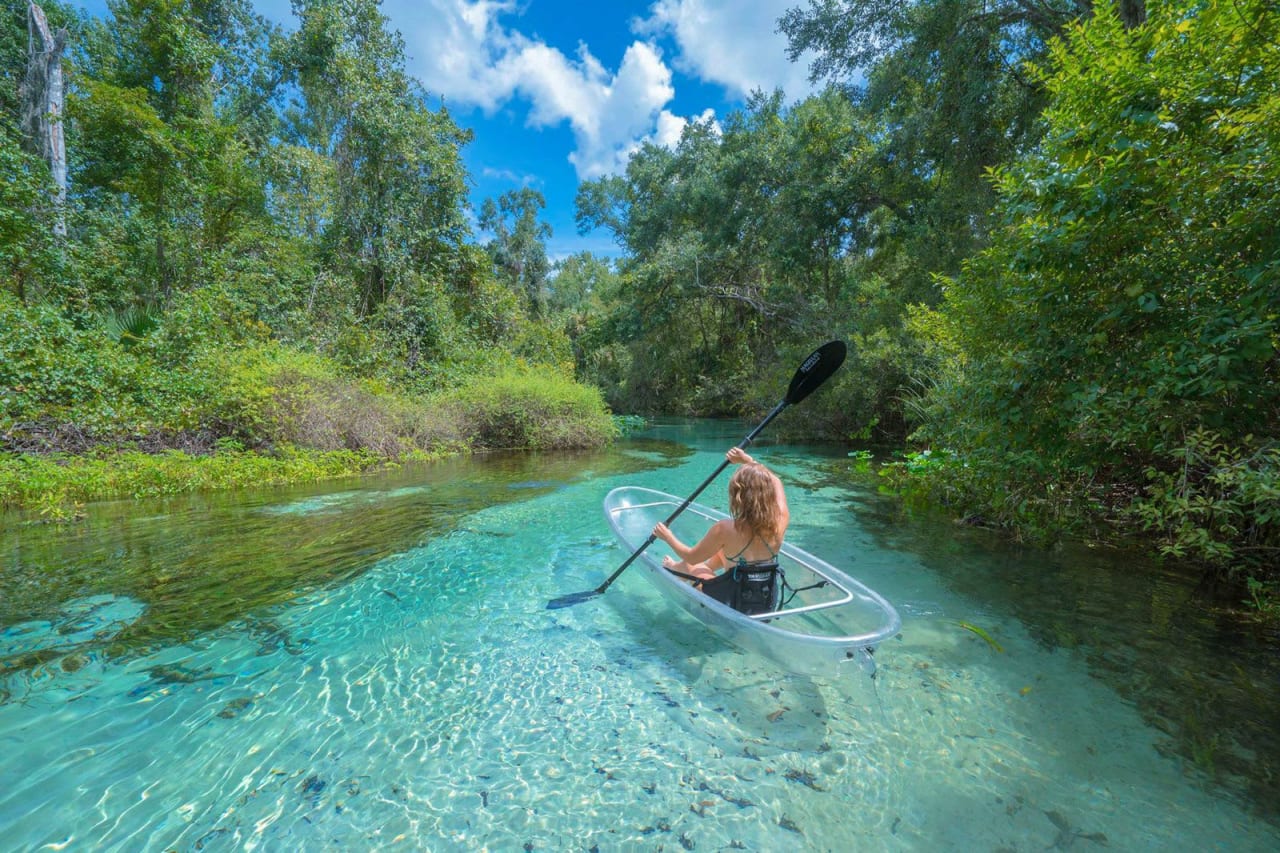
[[540, 344], [52, 370], [279, 396], [1215, 503], [521, 408]]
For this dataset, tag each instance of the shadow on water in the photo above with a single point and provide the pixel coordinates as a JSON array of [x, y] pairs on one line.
[[1195, 665], [134, 575]]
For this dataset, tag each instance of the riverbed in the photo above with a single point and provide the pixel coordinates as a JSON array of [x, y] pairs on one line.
[[371, 663]]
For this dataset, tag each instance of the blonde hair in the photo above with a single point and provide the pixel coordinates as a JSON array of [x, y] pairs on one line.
[[752, 501]]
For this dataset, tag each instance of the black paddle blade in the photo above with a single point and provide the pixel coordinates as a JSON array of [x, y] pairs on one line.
[[817, 368], [572, 599]]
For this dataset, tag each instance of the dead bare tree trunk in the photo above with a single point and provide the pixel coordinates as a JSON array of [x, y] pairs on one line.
[[42, 99]]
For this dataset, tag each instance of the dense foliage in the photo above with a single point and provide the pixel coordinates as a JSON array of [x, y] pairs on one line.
[[1048, 232], [1119, 336], [268, 251], [781, 226]]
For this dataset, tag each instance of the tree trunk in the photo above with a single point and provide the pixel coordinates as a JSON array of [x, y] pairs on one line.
[[42, 99], [1133, 13]]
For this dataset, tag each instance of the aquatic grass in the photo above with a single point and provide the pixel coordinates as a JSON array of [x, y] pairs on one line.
[[1265, 598], [55, 485], [627, 424], [862, 461], [974, 629]]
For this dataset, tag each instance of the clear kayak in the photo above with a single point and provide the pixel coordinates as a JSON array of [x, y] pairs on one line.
[[825, 621]]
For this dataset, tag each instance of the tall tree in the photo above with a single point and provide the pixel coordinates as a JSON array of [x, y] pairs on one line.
[[30, 253], [28, 248], [157, 127], [583, 290], [947, 85], [395, 201], [1123, 328], [518, 247]]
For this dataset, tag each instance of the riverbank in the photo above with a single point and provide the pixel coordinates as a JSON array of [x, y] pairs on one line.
[[1075, 511], [291, 426], [56, 486], [204, 397]]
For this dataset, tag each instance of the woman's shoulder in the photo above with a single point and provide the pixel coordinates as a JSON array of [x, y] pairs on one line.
[[724, 527], [731, 532]]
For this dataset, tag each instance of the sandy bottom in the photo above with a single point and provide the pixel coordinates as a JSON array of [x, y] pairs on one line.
[[434, 703]]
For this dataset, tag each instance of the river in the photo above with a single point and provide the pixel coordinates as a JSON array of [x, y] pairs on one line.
[[370, 663]]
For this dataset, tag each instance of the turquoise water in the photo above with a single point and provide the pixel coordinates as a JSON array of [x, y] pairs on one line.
[[374, 665]]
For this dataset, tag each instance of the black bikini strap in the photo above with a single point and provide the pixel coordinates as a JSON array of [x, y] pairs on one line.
[[773, 555]]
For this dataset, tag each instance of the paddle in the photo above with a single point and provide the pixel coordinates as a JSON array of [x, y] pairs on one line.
[[815, 370]]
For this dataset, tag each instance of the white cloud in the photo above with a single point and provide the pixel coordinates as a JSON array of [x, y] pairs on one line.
[[461, 51], [669, 128], [510, 176], [624, 111], [465, 52], [454, 47], [733, 43]]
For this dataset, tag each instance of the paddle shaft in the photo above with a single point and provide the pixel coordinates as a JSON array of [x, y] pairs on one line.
[[725, 464]]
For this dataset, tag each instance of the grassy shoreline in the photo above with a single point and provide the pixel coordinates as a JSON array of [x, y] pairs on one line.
[[57, 486], [84, 417]]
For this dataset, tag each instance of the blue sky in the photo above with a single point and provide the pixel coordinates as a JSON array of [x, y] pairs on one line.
[[557, 92]]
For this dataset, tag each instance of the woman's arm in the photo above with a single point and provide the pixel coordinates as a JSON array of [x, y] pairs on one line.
[[740, 456], [707, 548]]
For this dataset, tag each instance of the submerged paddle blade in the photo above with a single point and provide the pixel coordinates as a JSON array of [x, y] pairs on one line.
[[572, 599], [817, 368]]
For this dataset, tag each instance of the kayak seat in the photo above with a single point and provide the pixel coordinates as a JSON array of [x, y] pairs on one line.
[[749, 588]]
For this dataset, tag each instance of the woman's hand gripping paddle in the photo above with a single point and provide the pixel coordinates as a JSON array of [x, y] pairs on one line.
[[815, 370]]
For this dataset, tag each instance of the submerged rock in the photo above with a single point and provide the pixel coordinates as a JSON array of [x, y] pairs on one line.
[[181, 674], [790, 825], [803, 777], [1068, 834], [233, 708]]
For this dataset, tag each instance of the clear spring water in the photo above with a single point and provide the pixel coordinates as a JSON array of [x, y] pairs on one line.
[[373, 665]]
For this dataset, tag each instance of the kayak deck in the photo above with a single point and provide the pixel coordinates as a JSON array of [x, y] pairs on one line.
[[825, 618]]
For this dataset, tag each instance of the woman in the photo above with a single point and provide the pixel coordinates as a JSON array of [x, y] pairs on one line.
[[753, 537]]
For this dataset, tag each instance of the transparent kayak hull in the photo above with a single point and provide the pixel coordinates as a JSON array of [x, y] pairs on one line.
[[824, 630]]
